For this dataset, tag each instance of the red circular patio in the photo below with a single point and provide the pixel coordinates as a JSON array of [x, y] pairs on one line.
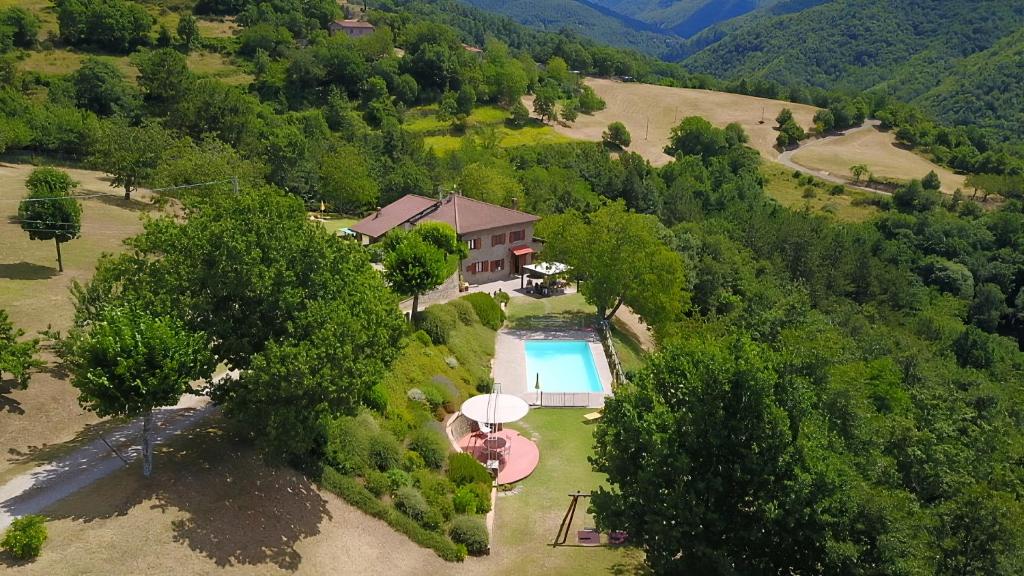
[[517, 456]]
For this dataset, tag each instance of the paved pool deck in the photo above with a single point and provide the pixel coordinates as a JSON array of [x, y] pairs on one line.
[[509, 367]]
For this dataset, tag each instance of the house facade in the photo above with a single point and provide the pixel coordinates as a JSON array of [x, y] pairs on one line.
[[499, 240]]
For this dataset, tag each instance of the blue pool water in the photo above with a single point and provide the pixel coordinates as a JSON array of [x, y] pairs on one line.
[[563, 365]]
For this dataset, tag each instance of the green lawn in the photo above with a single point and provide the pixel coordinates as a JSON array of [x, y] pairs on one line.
[[526, 522], [523, 308], [436, 134], [333, 224]]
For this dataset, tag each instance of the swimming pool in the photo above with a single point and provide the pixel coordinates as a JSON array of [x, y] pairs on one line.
[[563, 365]]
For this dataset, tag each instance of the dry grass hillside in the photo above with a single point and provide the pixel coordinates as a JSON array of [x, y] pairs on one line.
[[878, 151], [650, 112]]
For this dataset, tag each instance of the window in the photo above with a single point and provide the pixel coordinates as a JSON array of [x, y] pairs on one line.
[[497, 265], [474, 243], [517, 236], [498, 239], [477, 267]]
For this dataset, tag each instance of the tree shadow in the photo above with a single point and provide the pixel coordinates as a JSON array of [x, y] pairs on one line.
[[238, 510], [9, 561], [26, 271], [8, 404], [118, 201]]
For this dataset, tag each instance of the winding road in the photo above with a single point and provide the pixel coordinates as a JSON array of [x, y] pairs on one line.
[[786, 158], [34, 491]]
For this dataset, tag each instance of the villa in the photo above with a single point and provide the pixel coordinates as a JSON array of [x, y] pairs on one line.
[[500, 240]]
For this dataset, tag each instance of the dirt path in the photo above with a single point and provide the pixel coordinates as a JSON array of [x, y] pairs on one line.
[[33, 491], [627, 320], [786, 158]]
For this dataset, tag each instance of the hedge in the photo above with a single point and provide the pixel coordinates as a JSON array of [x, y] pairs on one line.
[[352, 492], [464, 469], [487, 309], [471, 532], [431, 446], [438, 322], [465, 312]]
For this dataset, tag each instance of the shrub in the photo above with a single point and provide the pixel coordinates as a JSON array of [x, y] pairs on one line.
[[411, 502], [430, 482], [412, 461], [398, 479], [376, 399], [422, 337], [484, 384], [438, 322], [472, 533], [502, 298], [441, 504], [378, 483], [464, 469], [435, 397], [358, 496], [385, 452], [465, 312], [348, 443], [25, 537], [487, 309], [472, 499], [617, 134], [430, 446]]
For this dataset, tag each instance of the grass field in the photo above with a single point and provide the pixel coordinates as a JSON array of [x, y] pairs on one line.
[[650, 112], [335, 223], [35, 295], [218, 27], [43, 9], [436, 134], [877, 150], [217, 66], [65, 61], [796, 194]]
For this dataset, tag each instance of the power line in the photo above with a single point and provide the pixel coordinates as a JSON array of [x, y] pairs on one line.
[[70, 197]]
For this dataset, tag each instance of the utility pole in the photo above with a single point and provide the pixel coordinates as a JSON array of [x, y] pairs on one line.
[[647, 130]]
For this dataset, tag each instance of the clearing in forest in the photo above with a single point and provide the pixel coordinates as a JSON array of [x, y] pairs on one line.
[[877, 150]]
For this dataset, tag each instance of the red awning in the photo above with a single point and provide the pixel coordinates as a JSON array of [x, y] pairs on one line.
[[522, 250]]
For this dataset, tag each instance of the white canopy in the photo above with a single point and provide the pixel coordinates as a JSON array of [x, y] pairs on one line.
[[546, 268], [495, 408]]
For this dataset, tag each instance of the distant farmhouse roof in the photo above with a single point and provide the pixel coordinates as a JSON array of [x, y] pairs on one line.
[[472, 49], [463, 214], [349, 24]]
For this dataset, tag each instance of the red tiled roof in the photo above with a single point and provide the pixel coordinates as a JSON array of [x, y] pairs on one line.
[[464, 214], [395, 214], [467, 215]]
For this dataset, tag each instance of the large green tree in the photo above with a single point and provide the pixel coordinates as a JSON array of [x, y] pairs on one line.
[[621, 259], [128, 362], [129, 153], [698, 450], [414, 266], [49, 212]]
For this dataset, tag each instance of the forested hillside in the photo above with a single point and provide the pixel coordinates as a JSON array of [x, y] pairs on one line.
[[590, 20], [684, 17], [902, 48]]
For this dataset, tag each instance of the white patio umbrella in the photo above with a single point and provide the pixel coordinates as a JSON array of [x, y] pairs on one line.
[[495, 408]]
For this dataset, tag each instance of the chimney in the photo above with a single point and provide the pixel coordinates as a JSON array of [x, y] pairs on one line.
[[515, 203], [377, 213]]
